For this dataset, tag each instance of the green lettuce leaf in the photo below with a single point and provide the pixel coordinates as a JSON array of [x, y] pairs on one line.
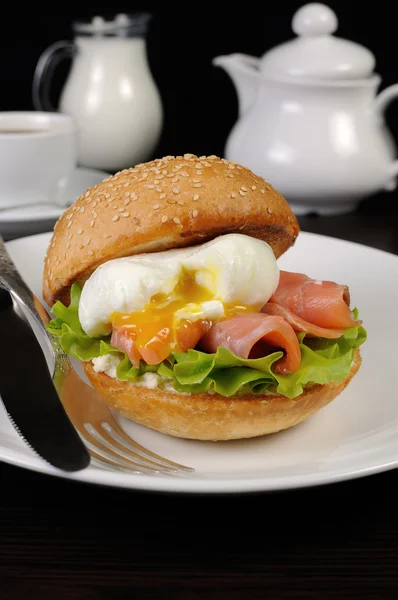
[[322, 360]]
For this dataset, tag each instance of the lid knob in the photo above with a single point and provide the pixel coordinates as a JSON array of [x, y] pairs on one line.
[[314, 19]]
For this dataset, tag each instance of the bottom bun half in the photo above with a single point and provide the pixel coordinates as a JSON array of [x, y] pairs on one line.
[[211, 416]]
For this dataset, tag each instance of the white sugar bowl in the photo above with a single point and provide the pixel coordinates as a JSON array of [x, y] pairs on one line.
[[310, 119]]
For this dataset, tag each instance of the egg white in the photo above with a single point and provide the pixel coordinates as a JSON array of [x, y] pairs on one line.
[[234, 268]]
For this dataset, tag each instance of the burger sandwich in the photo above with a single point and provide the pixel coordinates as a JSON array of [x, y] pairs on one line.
[[164, 282]]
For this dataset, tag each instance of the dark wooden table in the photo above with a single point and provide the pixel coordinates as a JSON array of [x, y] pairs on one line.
[[62, 540]]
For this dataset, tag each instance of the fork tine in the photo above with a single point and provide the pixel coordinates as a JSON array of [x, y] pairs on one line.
[[102, 463], [130, 456], [118, 435], [114, 460]]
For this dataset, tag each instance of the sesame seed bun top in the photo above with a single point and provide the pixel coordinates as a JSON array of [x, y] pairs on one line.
[[167, 203]]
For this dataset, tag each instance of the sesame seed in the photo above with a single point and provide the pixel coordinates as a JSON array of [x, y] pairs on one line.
[[68, 217], [150, 186], [231, 166], [233, 195], [107, 195], [86, 195], [164, 219], [196, 197], [199, 173], [184, 173], [82, 209], [94, 214], [180, 202], [262, 191], [176, 190], [158, 189], [269, 210], [195, 213], [125, 214], [92, 223], [176, 220], [107, 235], [197, 185], [162, 196], [127, 194], [170, 175], [126, 202], [67, 245], [80, 231], [95, 203], [86, 241], [196, 180], [242, 192], [156, 207], [253, 187], [175, 179], [230, 175], [115, 218], [69, 224], [90, 252], [244, 189]]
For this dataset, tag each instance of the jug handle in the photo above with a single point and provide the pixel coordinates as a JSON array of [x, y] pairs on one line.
[[46, 64], [383, 100]]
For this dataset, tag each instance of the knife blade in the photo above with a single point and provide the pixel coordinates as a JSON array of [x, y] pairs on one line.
[[29, 393]]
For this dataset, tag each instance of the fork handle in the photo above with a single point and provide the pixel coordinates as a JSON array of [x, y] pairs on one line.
[[11, 280]]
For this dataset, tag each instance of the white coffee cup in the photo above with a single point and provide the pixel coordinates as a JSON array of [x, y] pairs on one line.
[[38, 155]]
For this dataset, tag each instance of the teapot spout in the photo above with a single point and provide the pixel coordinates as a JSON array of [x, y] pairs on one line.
[[243, 70]]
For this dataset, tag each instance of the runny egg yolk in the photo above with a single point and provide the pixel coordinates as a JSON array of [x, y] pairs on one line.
[[156, 332]]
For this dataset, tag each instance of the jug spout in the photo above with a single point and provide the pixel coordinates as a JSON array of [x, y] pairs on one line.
[[243, 70]]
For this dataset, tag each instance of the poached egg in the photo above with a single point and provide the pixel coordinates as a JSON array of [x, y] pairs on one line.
[[160, 291]]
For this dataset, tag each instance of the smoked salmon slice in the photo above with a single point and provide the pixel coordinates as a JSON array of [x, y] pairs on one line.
[[124, 342], [158, 347], [322, 303], [299, 324], [253, 336]]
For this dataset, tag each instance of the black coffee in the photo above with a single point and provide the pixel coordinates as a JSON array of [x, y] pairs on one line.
[[24, 131]]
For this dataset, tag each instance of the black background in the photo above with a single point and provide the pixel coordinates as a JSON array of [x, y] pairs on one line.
[[199, 99], [62, 540]]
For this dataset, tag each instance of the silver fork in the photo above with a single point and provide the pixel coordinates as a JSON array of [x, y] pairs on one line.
[[109, 446]]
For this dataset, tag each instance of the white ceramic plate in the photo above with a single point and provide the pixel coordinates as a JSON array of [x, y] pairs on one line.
[[29, 220], [356, 435]]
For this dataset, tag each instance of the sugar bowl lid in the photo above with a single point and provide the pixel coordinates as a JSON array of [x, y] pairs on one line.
[[315, 53], [123, 25]]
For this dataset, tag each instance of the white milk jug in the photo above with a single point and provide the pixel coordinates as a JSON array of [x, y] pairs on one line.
[[110, 91]]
